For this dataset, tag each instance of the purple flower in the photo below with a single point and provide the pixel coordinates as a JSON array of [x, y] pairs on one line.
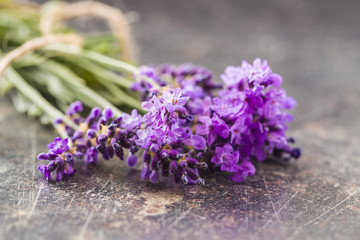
[[166, 134], [255, 76], [258, 71], [143, 85], [276, 140], [59, 166], [191, 89], [92, 118], [44, 171], [212, 127], [226, 157], [145, 172], [148, 72], [232, 76], [107, 114], [43, 156], [74, 108], [198, 142], [91, 155], [246, 121], [145, 137], [231, 105], [91, 133], [70, 171], [174, 100], [129, 122], [154, 176], [238, 128], [246, 169], [275, 102], [131, 160], [58, 146], [156, 112]]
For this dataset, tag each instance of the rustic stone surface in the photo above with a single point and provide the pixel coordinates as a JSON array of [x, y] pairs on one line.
[[314, 45]]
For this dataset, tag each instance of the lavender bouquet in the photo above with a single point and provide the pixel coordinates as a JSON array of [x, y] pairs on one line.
[[187, 128], [177, 119]]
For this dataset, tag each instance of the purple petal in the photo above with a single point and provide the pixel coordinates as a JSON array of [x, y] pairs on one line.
[[202, 130], [145, 173], [59, 176], [167, 96], [246, 169], [132, 160], [197, 142], [74, 108], [177, 93], [107, 113], [44, 171], [276, 80], [154, 176], [43, 156], [289, 103], [215, 159]]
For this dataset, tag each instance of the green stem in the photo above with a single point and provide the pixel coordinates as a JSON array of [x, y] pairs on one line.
[[111, 62], [117, 65], [87, 95], [107, 79], [102, 60], [106, 75], [25, 89], [96, 57]]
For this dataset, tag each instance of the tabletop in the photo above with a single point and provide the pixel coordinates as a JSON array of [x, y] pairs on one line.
[[314, 45]]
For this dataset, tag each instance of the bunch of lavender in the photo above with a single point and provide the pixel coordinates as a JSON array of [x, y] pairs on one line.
[[246, 122], [98, 133], [186, 129]]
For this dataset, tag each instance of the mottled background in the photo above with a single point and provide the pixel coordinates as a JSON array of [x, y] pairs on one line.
[[314, 45]]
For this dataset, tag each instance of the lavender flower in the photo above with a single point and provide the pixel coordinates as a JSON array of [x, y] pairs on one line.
[[186, 129], [173, 101], [196, 82], [61, 160], [212, 128], [245, 169], [132, 121], [74, 108], [58, 146], [226, 157]]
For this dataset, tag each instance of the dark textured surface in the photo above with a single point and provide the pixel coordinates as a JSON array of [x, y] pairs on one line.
[[314, 45]]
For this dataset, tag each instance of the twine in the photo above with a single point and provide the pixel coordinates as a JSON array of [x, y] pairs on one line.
[[37, 43], [114, 17]]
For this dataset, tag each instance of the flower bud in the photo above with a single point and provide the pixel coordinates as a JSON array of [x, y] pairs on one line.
[[100, 148], [145, 172], [69, 159], [43, 156], [154, 147], [91, 133], [78, 155], [102, 138], [164, 154], [134, 149], [192, 173], [132, 160], [296, 153], [154, 176], [118, 150]]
